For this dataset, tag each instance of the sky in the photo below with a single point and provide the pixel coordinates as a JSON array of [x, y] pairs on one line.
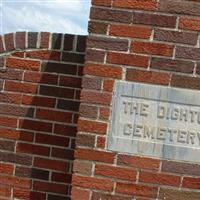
[[58, 16]]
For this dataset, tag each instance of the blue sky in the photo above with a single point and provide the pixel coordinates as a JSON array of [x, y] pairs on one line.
[[62, 16]]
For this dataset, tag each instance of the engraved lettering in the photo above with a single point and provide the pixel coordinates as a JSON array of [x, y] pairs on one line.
[[191, 137], [144, 109], [182, 136], [184, 115], [128, 129], [149, 132], [161, 133], [138, 130], [161, 112], [175, 114]]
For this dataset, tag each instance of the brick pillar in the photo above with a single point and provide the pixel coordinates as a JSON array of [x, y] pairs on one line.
[[146, 41]]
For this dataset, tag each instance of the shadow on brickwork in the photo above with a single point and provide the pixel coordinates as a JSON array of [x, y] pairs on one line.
[[39, 103]]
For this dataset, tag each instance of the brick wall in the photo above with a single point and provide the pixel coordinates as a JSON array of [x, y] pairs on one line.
[[40, 81], [151, 41]]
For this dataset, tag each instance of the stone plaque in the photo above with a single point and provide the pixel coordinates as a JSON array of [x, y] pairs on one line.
[[155, 121]]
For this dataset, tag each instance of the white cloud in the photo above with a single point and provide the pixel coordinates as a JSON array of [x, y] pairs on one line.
[[67, 16]]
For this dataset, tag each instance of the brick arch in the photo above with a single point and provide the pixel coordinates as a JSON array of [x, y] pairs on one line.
[[40, 82]]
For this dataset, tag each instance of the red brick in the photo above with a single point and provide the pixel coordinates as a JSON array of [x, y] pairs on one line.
[[38, 101], [108, 85], [101, 142], [14, 98], [135, 31], [152, 48], [33, 149], [28, 195], [95, 55], [128, 59], [36, 77], [93, 83], [115, 172], [92, 126], [51, 164], [138, 162], [11, 74], [98, 28], [103, 70], [86, 140], [81, 167], [67, 130], [98, 195], [148, 77], [1, 45], [189, 23], [63, 153], [61, 177], [50, 187], [140, 190], [20, 87], [136, 4], [70, 81], [44, 40], [15, 181], [188, 53], [20, 40], [52, 140], [6, 168], [8, 121], [23, 64], [52, 115], [191, 182], [80, 194], [160, 179], [104, 113], [18, 54], [35, 125], [9, 41], [5, 191], [92, 183], [102, 2], [100, 156], [95, 97]]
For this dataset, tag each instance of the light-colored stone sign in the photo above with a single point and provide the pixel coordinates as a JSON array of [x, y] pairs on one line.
[[156, 121]]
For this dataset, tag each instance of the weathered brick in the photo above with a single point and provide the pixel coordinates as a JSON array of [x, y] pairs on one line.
[[185, 82], [9, 42], [1, 45], [85, 140], [44, 40], [5, 191], [189, 23], [154, 19], [8, 121], [104, 113], [115, 172], [180, 168], [63, 153], [148, 76], [94, 155], [136, 4], [152, 48], [11, 74], [188, 53], [169, 194], [20, 40], [176, 37], [138, 162], [132, 31], [108, 85], [14, 98], [95, 97], [95, 55], [160, 179], [32, 40], [23, 64], [172, 65], [133, 189], [103, 70], [128, 59], [97, 27], [6, 168], [179, 7], [110, 15], [106, 3], [92, 183], [98, 195], [88, 111], [190, 182], [82, 167], [7, 145], [80, 194], [92, 83], [107, 43], [92, 126]]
